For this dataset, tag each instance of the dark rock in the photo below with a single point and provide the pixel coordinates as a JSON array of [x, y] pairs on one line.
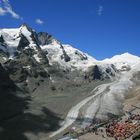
[[44, 74], [96, 73], [93, 73], [82, 56], [65, 55], [23, 43], [44, 38], [16, 72], [1, 39], [8, 99], [6, 82]]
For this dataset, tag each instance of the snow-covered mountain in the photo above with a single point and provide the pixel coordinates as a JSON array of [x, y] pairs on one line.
[[42, 74], [123, 58], [65, 55], [123, 61], [13, 41]]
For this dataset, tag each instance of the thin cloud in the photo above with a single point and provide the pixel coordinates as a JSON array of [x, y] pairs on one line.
[[39, 21], [100, 10], [2, 11], [6, 8]]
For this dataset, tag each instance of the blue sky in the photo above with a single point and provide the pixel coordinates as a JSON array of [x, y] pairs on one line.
[[101, 28]]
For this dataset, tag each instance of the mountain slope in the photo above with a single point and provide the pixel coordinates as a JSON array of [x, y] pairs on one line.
[[49, 74], [53, 78]]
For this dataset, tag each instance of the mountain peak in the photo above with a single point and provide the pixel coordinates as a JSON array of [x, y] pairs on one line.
[[24, 25], [127, 54], [125, 57]]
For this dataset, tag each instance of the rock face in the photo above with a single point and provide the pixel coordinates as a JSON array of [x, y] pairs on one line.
[[65, 55], [15, 119], [41, 79], [44, 38], [10, 105]]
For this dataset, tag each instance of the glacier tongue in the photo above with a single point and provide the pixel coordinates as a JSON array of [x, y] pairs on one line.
[[106, 99]]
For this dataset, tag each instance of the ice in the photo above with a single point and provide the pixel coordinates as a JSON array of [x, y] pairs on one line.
[[37, 58]]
